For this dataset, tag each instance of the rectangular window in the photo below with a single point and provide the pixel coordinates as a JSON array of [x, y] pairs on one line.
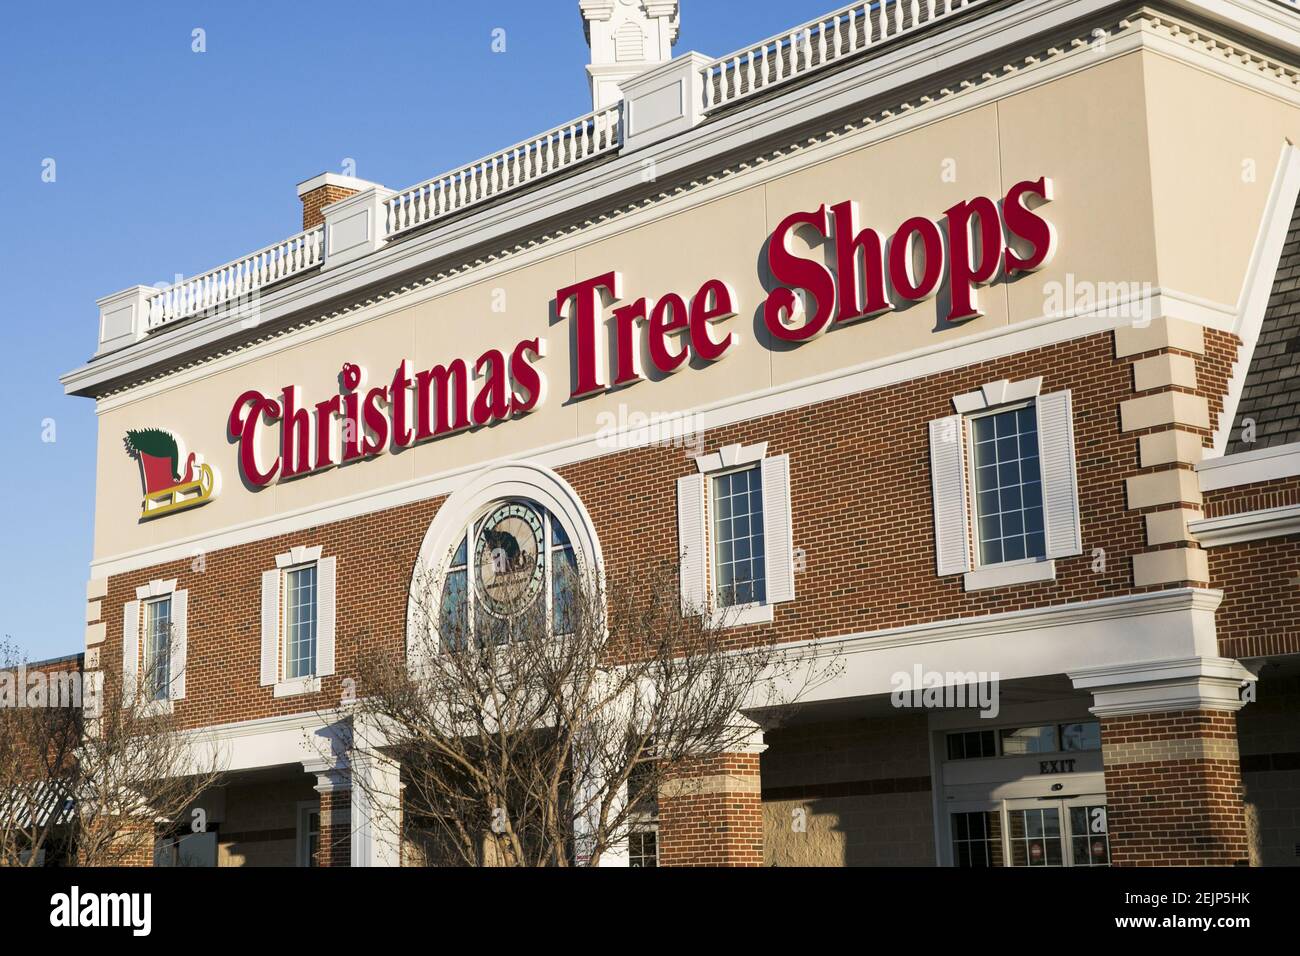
[[1017, 741], [308, 835], [157, 648], [1008, 486], [1036, 837], [970, 744], [977, 839], [738, 549], [1082, 736], [300, 622], [643, 848], [1090, 841]]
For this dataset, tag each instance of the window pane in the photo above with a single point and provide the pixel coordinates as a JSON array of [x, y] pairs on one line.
[[157, 649], [564, 583], [738, 547], [1008, 493], [454, 615], [970, 744], [977, 839], [1036, 837], [300, 622], [1029, 740], [1089, 839], [1083, 736]]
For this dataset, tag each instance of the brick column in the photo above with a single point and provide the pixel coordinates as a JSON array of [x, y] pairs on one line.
[[1173, 789], [335, 789], [711, 812], [1169, 750]]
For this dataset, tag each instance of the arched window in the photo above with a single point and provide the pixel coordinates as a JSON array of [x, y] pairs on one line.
[[511, 575]]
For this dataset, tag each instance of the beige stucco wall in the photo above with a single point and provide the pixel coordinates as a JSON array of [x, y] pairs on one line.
[[1214, 148], [1092, 132]]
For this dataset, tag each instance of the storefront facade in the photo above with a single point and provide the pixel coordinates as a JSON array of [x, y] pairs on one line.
[[948, 337]]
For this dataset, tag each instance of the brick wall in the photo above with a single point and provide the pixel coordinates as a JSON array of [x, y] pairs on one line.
[[1260, 612], [376, 556], [317, 199], [711, 813], [335, 829], [1173, 789]]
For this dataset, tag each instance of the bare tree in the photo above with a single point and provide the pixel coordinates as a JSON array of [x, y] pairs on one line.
[[95, 769], [38, 742], [538, 732]]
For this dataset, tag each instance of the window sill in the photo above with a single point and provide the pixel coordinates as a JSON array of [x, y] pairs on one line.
[[742, 615], [299, 685], [1002, 575], [155, 708]]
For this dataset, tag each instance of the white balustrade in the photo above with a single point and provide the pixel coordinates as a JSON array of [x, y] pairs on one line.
[[233, 282], [795, 53], [555, 150], [818, 43]]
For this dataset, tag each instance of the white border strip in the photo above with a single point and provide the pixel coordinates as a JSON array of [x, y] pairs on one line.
[[1249, 467], [1259, 282], [1247, 526]]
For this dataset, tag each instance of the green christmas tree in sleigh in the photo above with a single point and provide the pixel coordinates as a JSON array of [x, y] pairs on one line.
[[165, 488]]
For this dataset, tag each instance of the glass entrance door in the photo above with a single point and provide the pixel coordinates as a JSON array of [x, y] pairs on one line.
[[1067, 832]]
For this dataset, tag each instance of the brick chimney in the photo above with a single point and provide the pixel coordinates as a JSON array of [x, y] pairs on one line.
[[319, 191], [627, 38]]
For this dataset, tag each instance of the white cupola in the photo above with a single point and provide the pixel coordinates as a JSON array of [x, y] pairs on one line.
[[627, 37]]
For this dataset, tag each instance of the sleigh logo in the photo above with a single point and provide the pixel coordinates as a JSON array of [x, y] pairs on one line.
[[166, 487]]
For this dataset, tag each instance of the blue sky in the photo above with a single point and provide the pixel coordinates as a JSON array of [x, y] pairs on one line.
[[170, 161]]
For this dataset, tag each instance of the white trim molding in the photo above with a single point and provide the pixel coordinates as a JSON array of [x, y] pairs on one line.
[[1016, 572], [695, 531], [1001, 392], [273, 625], [1246, 526], [511, 480], [731, 456], [298, 555], [1173, 624], [1150, 687], [1249, 467], [155, 589]]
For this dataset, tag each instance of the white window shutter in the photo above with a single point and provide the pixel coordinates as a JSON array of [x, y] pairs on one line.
[[130, 649], [177, 650], [692, 557], [325, 615], [270, 627], [1060, 484], [948, 484], [778, 533]]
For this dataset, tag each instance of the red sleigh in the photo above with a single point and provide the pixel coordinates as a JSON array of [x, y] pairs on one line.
[[166, 489]]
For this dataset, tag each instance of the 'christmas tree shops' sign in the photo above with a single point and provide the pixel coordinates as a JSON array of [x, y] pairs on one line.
[[977, 242]]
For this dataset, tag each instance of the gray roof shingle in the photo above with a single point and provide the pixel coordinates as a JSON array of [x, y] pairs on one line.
[[1271, 394]]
